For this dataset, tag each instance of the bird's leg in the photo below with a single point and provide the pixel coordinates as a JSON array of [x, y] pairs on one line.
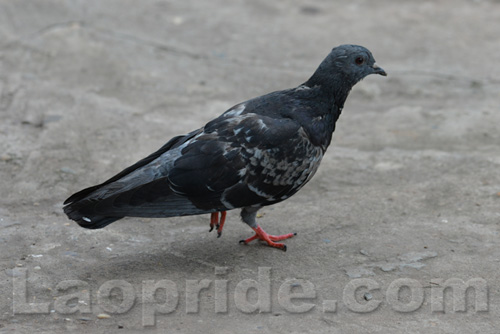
[[220, 226], [262, 235], [248, 215], [215, 222]]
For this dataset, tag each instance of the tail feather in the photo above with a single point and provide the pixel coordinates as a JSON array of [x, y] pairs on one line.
[[88, 191], [137, 191], [80, 206], [155, 200], [76, 211]]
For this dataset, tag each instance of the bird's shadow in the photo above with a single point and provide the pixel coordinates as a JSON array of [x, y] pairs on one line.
[[194, 260]]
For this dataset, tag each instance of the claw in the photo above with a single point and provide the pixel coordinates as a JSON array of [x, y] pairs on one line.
[[214, 220], [216, 223], [262, 235], [220, 225]]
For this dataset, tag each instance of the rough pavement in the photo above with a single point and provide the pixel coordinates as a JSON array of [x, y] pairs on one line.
[[406, 202]]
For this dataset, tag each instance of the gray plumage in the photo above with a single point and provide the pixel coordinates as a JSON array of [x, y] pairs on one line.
[[257, 153]]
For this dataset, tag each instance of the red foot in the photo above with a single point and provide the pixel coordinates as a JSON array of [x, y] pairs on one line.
[[262, 235], [218, 224]]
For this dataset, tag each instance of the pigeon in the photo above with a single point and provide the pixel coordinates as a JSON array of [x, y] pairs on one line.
[[257, 153]]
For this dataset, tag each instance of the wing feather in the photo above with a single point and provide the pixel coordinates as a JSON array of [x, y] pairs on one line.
[[239, 159]]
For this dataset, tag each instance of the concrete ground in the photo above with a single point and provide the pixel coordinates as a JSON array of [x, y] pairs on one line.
[[398, 232]]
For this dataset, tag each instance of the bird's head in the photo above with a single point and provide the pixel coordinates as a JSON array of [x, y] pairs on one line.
[[354, 62], [346, 65]]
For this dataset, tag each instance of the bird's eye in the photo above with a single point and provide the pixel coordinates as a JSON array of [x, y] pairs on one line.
[[359, 60]]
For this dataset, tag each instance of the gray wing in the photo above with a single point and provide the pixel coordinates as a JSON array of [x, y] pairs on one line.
[[239, 159]]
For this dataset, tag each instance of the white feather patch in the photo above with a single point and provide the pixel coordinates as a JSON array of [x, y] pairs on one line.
[[236, 111], [260, 193], [224, 201]]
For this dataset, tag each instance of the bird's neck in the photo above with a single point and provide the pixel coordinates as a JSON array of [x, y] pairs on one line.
[[332, 93], [334, 89]]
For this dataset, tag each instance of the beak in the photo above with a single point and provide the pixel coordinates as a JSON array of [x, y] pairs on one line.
[[379, 70]]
